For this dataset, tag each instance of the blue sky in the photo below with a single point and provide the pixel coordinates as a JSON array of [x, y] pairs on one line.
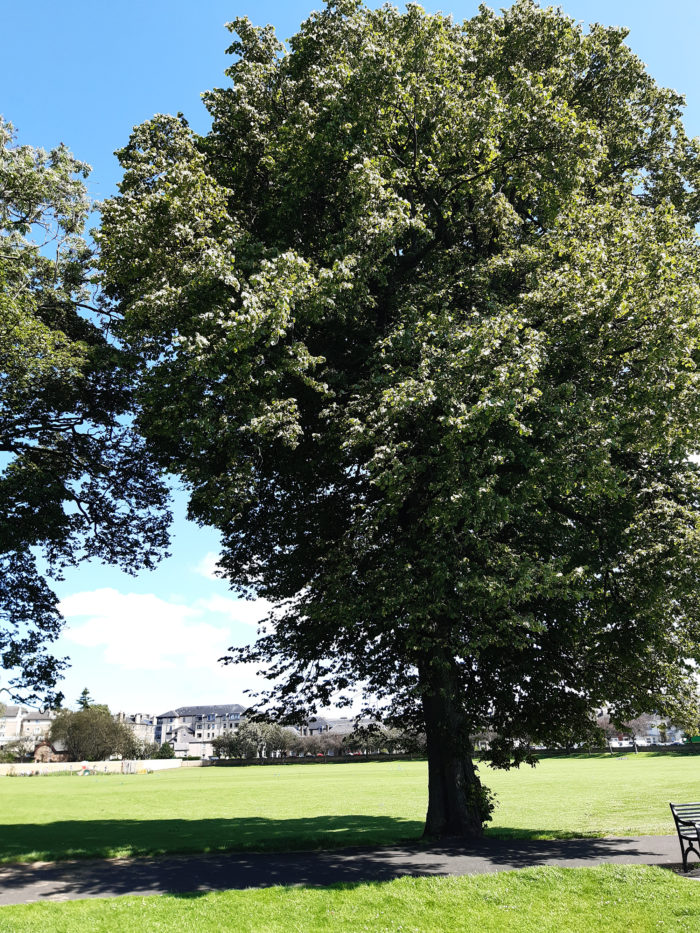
[[84, 73]]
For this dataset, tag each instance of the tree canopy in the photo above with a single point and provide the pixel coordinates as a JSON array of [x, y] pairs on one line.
[[254, 740], [92, 734], [418, 322], [75, 479]]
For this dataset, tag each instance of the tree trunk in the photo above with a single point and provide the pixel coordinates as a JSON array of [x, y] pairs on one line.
[[455, 794]]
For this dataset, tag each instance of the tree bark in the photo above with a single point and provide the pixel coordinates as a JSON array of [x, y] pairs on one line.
[[455, 793]]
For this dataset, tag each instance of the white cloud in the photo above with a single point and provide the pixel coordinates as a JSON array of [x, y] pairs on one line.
[[247, 611], [207, 566], [143, 631]]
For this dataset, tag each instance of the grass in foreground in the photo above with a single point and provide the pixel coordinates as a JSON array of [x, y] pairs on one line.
[[537, 900], [325, 806]]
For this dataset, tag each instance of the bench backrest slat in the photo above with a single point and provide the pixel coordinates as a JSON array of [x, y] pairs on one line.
[[686, 812]]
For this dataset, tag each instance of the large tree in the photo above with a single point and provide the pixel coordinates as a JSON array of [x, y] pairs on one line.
[[91, 733], [75, 479], [418, 321]]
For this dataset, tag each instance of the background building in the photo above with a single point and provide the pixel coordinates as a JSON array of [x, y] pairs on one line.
[[191, 729], [22, 723], [143, 725]]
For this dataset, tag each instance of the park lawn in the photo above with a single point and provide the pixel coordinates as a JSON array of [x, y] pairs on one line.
[[613, 898], [288, 807]]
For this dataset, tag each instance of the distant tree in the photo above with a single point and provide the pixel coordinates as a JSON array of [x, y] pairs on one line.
[[148, 750], [607, 730], [663, 732], [418, 326], [275, 738], [166, 750], [640, 725], [251, 739], [399, 741], [331, 743], [368, 739], [16, 750], [128, 745], [223, 747], [289, 741], [635, 728], [248, 741], [310, 744], [91, 734], [296, 743], [75, 479], [85, 700], [255, 740], [639, 728]]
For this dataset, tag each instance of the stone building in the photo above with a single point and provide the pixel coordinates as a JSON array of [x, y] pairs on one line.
[[191, 729], [143, 725], [21, 722]]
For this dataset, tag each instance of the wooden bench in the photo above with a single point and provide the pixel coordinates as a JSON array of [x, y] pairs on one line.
[[687, 817]]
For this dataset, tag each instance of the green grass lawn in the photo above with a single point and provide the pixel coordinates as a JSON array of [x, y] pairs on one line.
[[323, 806], [615, 899]]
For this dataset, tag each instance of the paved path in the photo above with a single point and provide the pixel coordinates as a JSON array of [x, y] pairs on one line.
[[61, 881]]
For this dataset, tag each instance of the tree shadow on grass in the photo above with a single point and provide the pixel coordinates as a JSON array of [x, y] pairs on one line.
[[198, 874], [80, 839]]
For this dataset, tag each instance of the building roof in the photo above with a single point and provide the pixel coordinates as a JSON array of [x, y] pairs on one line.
[[220, 710], [42, 716], [11, 712], [58, 745], [341, 726], [132, 716]]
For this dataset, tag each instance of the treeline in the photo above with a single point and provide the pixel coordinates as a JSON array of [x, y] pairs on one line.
[[269, 740]]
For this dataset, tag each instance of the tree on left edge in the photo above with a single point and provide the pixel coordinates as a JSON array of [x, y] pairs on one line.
[[75, 480]]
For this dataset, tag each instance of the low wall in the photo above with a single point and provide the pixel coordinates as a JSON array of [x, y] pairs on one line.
[[101, 767]]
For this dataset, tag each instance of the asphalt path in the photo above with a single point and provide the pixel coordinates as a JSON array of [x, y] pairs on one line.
[[62, 881]]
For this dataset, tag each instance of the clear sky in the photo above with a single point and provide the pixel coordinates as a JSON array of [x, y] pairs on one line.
[[84, 72]]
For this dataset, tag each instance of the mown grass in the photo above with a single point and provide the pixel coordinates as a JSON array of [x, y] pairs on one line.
[[325, 806], [536, 900]]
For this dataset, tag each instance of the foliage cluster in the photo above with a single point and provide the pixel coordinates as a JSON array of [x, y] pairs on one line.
[[255, 740], [76, 481], [268, 740], [16, 750], [92, 734]]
